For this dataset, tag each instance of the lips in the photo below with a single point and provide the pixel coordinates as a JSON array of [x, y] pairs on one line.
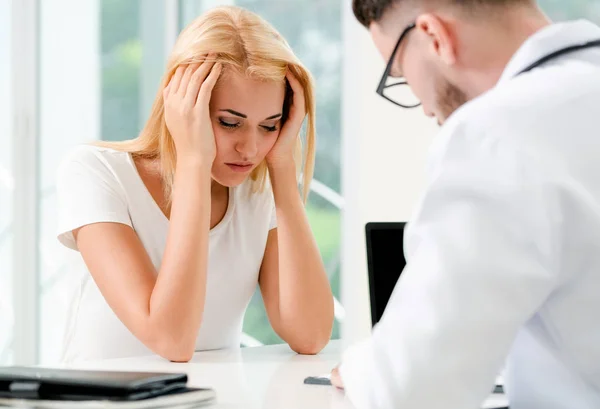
[[240, 167]]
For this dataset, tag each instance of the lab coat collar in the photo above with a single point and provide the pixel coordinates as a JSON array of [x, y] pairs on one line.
[[548, 40]]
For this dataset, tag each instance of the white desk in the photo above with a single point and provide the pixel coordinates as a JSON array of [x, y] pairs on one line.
[[263, 377]]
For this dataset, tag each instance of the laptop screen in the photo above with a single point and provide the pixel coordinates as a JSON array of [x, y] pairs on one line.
[[385, 258]]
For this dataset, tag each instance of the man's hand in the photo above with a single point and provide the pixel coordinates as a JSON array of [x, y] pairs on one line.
[[336, 379]]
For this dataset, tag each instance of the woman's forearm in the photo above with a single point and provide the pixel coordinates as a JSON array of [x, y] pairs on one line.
[[177, 301], [305, 299]]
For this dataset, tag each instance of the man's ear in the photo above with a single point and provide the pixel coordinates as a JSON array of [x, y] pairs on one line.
[[439, 37]]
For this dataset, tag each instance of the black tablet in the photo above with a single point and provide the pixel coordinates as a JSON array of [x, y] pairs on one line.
[[31, 382]]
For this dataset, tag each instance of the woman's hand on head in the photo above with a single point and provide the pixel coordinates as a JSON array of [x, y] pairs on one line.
[[282, 152], [187, 114]]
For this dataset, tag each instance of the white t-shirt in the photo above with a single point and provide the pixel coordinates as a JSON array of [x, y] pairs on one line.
[[103, 185]]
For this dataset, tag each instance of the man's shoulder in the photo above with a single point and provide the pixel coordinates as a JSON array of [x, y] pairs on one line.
[[522, 111], [537, 100], [495, 112], [524, 120]]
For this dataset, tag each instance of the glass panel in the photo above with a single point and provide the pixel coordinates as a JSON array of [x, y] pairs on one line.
[[133, 58], [561, 10], [121, 50], [6, 186], [313, 29]]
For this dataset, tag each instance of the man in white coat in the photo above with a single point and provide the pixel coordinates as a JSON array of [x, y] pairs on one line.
[[503, 253]]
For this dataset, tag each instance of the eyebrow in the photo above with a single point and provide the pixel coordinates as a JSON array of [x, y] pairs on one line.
[[232, 112]]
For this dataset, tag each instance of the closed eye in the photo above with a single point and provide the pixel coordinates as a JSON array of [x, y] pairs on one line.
[[228, 124], [269, 128]]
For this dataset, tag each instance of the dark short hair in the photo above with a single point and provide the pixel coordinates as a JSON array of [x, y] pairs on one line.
[[372, 11]]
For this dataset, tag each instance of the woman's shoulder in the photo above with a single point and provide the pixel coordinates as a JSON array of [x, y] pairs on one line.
[[94, 155], [89, 190], [92, 163]]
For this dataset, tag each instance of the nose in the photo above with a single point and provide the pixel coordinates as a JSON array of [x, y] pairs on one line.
[[247, 145], [429, 113]]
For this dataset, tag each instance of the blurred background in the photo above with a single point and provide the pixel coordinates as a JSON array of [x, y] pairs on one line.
[[89, 69]]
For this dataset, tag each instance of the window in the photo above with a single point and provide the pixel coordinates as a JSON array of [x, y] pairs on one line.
[[561, 10], [6, 186], [133, 53]]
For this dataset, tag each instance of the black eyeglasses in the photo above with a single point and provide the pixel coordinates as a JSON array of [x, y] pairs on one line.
[[395, 92]]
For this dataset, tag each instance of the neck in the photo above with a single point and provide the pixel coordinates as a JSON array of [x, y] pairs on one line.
[[507, 36], [216, 188]]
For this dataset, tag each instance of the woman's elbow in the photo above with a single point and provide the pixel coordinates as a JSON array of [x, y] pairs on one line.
[[309, 347], [179, 356], [175, 350], [313, 343]]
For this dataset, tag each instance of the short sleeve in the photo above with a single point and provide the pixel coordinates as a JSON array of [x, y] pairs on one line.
[[87, 192]]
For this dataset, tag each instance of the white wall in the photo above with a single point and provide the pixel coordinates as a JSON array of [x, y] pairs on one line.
[[384, 150]]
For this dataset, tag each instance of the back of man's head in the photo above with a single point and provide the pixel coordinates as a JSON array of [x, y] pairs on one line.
[[449, 51], [373, 11]]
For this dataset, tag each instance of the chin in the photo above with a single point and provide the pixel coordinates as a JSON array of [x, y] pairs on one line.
[[229, 180]]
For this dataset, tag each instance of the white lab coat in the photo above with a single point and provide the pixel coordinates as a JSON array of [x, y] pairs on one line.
[[503, 253]]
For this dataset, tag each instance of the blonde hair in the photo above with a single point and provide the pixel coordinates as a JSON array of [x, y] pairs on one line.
[[241, 41]]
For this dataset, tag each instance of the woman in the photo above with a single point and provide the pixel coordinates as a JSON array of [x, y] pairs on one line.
[[177, 226]]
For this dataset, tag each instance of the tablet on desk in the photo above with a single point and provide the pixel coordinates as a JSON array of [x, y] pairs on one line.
[[51, 388]]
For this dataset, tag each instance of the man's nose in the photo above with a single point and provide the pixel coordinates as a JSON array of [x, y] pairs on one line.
[[429, 113]]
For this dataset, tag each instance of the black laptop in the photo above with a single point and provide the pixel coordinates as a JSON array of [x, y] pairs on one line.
[[385, 259]]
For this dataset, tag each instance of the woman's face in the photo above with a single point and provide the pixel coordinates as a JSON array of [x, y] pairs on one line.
[[246, 118]]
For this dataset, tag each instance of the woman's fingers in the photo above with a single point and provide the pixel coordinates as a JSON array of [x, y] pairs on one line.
[[183, 85], [209, 83], [171, 88], [196, 81]]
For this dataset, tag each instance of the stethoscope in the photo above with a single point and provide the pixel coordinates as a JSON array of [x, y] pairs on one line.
[[560, 53]]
